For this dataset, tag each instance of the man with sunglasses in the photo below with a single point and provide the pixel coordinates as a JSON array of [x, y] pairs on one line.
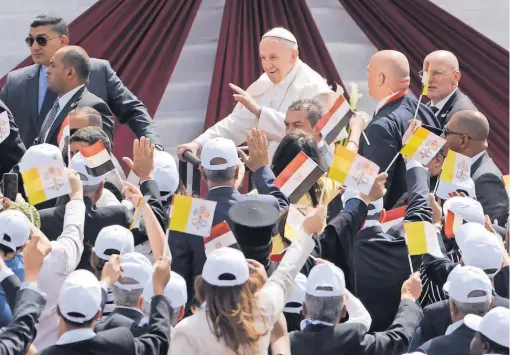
[[444, 93], [467, 133], [27, 96]]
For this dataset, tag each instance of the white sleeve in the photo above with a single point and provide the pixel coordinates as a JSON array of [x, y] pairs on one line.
[[357, 312], [272, 123], [235, 127]]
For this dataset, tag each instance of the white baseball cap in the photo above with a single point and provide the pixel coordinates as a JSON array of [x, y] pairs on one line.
[[466, 208], [325, 280], [136, 271], [14, 229], [280, 32], [165, 173], [297, 296], [482, 251], [465, 279], [223, 262], [495, 325], [115, 239], [77, 163], [219, 148], [175, 290], [80, 297], [39, 155], [468, 231]]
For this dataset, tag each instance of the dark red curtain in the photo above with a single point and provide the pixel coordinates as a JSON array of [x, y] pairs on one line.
[[237, 57], [417, 28], [142, 39]]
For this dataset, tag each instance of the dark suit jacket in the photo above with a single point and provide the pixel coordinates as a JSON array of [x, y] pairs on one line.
[[456, 343], [20, 94], [17, 336], [353, 339], [82, 98], [436, 317], [52, 220], [120, 317], [385, 133], [12, 147], [457, 102], [188, 252], [121, 341], [490, 189], [380, 260]]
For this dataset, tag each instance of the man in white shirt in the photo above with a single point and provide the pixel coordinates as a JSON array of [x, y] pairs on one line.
[[444, 93], [467, 133], [64, 257], [263, 105]]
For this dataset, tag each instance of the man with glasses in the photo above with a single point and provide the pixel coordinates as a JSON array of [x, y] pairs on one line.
[[467, 133], [28, 97], [444, 94]]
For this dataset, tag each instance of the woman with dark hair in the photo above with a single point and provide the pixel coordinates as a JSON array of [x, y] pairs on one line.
[[236, 316]]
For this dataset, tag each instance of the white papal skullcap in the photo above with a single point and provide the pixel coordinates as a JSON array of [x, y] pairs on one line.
[[280, 32]]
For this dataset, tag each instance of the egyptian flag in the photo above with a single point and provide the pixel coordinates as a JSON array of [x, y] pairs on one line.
[[64, 134], [298, 177], [221, 236], [332, 123], [97, 159], [393, 217]]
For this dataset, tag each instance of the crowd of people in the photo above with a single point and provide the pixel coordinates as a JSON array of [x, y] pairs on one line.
[[98, 270]]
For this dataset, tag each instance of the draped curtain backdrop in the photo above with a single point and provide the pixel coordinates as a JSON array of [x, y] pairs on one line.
[[237, 57], [417, 28], [142, 39]]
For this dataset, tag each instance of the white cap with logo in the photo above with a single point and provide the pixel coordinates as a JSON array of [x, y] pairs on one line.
[[325, 280], [80, 297], [175, 290], [116, 240], [219, 148], [463, 280], [226, 267], [495, 325], [14, 229], [297, 297], [136, 272]]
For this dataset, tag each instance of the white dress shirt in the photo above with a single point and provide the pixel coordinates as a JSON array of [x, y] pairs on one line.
[[61, 261], [453, 327], [476, 157], [440, 104], [76, 335]]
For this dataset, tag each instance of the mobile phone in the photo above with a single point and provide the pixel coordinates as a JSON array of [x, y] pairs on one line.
[[10, 186]]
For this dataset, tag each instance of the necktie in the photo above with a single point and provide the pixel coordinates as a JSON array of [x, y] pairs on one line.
[[434, 109], [48, 122]]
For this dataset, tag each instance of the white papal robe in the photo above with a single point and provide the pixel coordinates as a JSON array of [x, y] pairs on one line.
[[302, 82]]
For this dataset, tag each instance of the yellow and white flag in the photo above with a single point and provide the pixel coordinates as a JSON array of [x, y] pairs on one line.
[[137, 215], [46, 182], [192, 215], [353, 170], [423, 146], [421, 238], [455, 175], [292, 226]]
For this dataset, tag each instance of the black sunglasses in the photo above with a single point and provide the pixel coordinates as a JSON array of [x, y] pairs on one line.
[[448, 132], [41, 40]]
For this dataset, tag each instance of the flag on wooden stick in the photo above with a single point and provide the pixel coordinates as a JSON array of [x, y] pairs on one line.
[[192, 215], [423, 146], [221, 236], [97, 159]]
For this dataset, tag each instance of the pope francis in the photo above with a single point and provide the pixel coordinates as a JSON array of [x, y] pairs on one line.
[[264, 104]]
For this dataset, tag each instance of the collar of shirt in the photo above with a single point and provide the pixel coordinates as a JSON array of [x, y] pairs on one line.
[[64, 99], [76, 335], [306, 322], [131, 308], [217, 187], [443, 102], [383, 101], [453, 327], [476, 157]]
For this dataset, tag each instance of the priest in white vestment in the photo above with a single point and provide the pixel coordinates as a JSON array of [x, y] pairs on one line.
[[264, 104]]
